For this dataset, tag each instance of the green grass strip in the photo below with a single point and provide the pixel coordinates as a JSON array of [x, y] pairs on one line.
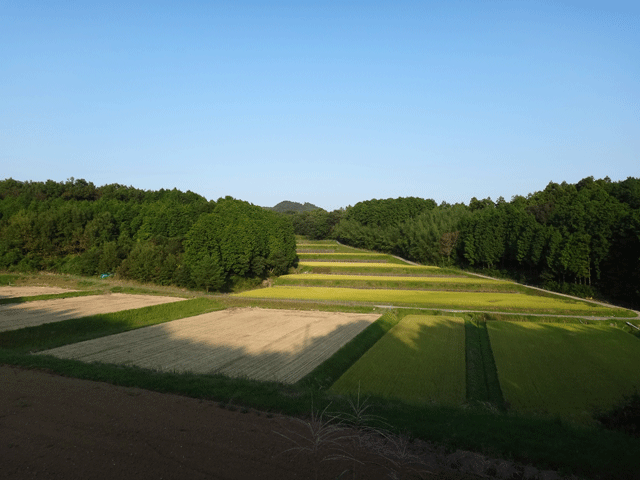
[[51, 335], [367, 268], [231, 392], [50, 296], [349, 257], [420, 360], [400, 280], [480, 301], [369, 265], [566, 370], [8, 279], [329, 371], [321, 248], [381, 281]]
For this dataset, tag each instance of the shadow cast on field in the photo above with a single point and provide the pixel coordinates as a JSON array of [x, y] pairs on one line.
[[420, 361], [251, 351], [16, 316]]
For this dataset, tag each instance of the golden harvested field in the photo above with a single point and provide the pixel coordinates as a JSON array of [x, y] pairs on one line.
[[12, 292], [279, 345], [31, 314]]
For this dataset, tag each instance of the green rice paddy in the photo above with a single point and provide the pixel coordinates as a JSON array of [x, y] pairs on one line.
[[420, 360], [396, 281], [368, 268], [366, 265], [479, 301], [568, 370], [349, 257]]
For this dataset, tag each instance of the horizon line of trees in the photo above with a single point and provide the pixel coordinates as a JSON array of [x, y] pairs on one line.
[[581, 238], [165, 237]]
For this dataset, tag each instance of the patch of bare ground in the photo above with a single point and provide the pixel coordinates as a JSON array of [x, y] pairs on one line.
[[262, 344], [13, 292], [30, 314], [55, 427]]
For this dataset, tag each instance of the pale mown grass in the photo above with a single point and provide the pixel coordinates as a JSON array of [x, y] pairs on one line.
[[481, 301], [566, 370], [420, 360]]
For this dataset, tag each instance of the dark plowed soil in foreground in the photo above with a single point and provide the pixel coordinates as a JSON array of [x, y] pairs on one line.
[[54, 427]]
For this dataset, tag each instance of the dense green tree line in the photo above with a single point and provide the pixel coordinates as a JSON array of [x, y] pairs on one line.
[[165, 236], [578, 238], [582, 238]]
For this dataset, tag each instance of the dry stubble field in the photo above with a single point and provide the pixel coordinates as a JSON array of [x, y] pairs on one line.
[[13, 292], [262, 344], [38, 312]]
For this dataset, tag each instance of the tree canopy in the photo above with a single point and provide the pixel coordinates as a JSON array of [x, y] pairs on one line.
[[151, 236]]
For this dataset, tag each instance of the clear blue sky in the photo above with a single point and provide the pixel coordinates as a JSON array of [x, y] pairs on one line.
[[324, 102]]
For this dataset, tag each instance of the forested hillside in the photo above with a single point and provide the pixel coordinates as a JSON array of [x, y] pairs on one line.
[[582, 239], [165, 237], [293, 207]]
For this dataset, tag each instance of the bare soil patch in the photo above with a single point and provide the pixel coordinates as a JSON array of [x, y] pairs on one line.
[[54, 427], [13, 292], [30, 314], [263, 344]]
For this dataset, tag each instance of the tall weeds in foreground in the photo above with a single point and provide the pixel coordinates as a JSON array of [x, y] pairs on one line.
[[349, 436], [323, 438]]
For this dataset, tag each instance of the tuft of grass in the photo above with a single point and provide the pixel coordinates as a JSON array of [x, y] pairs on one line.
[[322, 440]]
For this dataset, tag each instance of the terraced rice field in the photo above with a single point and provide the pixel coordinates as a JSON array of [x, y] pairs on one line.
[[324, 246], [366, 265], [367, 268], [270, 345], [564, 370], [349, 257], [507, 302], [420, 360], [30, 314]]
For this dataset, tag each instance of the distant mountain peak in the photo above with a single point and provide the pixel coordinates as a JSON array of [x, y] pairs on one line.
[[287, 206]]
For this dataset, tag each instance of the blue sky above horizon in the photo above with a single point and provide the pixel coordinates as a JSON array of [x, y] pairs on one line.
[[330, 103]]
